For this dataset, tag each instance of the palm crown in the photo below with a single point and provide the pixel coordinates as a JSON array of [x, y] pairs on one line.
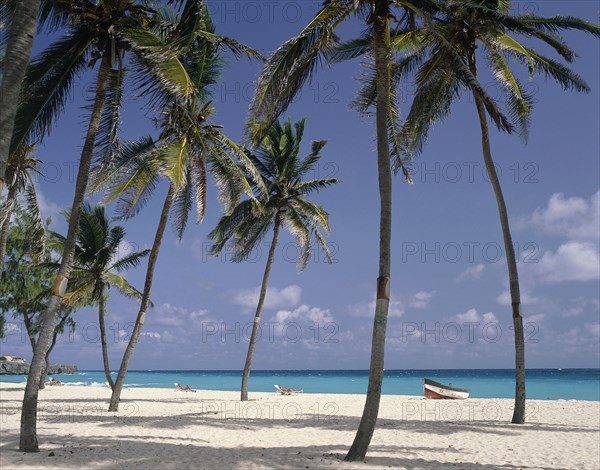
[[95, 30], [189, 145], [445, 48], [282, 173]]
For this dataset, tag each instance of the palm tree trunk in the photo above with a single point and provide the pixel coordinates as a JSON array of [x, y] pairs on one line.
[[139, 321], [42, 380], [5, 224], [28, 441], [28, 327], [47, 359], [18, 50], [511, 259], [103, 341], [259, 307], [382, 65]]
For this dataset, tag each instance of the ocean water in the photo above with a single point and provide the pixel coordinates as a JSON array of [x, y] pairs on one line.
[[542, 384]]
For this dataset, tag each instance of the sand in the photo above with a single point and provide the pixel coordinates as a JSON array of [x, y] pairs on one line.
[[168, 429]]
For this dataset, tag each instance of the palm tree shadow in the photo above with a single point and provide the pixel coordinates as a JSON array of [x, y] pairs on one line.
[[141, 452]]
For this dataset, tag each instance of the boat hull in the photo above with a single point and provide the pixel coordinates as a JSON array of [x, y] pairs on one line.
[[436, 391]]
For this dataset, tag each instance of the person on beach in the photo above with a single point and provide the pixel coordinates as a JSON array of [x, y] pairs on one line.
[[187, 388], [55, 382], [287, 391]]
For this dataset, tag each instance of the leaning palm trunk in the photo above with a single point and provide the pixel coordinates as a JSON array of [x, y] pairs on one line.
[[259, 307], [5, 224], [28, 326], [18, 50], [103, 341], [28, 441], [511, 260], [47, 359], [139, 321], [382, 60]]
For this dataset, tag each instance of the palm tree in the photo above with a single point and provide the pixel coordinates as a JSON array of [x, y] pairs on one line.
[[97, 266], [283, 204], [450, 45], [23, 17], [96, 32], [286, 71], [188, 147], [19, 175]]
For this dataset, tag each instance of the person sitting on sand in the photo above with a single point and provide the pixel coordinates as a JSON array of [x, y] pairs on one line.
[[55, 382], [187, 388]]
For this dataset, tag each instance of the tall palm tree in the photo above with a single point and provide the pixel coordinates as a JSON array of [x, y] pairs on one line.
[[23, 18], [188, 147], [19, 177], [96, 267], [286, 71], [105, 32], [450, 44], [283, 204]]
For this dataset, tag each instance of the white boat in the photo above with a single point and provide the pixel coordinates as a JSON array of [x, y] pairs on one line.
[[436, 390]]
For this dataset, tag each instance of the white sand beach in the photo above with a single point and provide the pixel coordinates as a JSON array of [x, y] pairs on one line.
[[168, 429]]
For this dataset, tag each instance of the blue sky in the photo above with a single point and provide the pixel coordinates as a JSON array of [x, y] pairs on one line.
[[449, 281]]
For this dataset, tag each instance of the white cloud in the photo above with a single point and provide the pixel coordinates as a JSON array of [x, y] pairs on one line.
[[151, 335], [199, 314], [575, 218], [304, 312], [287, 297], [593, 329], [579, 305], [534, 318], [170, 315], [421, 299], [573, 261], [474, 272], [367, 309], [489, 317], [470, 315], [573, 311]]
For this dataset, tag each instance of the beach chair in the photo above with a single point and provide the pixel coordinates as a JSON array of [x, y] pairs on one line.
[[287, 391]]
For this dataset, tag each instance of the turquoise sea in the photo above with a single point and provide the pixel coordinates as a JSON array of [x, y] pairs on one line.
[[542, 384]]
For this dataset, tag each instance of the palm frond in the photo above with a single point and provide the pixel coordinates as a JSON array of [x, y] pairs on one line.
[[39, 229], [47, 84], [519, 102], [124, 287], [307, 187], [156, 68], [180, 210], [107, 140], [130, 261], [297, 226], [291, 65]]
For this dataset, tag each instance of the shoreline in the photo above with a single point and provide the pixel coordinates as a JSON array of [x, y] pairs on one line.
[[165, 428], [236, 392]]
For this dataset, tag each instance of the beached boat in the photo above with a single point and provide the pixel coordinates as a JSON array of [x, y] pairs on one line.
[[437, 390]]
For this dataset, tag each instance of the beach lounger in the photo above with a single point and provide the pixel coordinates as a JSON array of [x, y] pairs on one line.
[[287, 391]]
